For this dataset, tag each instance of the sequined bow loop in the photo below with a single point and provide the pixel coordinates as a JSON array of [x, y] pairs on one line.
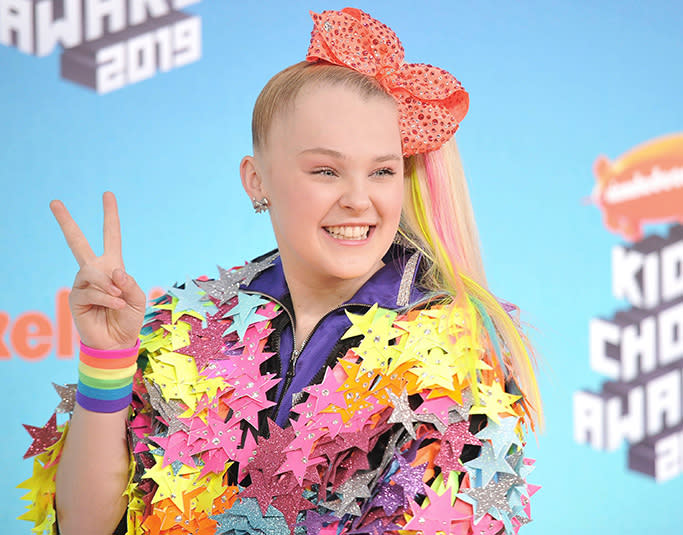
[[431, 102]]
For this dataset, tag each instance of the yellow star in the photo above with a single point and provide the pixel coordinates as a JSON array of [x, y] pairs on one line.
[[468, 358], [180, 334], [172, 486], [376, 327], [454, 391], [155, 341], [420, 335], [177, 377], [493, 401], [435, 370], [214, 488]]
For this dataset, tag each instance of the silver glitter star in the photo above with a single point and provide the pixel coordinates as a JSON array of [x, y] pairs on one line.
[[156, 399], [432, 419], [356, 487], [169, 410], [402, 413], [463, 411], [67, 393], [172, 410], [492, 496], [522, 520], [226, 287]]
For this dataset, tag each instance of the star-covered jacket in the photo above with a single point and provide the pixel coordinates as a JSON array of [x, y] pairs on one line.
[[396, 413]]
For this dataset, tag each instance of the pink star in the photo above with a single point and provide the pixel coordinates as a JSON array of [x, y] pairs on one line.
[[246, 409], [270, 452], [214, 461], [206, 344], [330, 421], [437, 406], [254, 338], [437, 516], [245, 455], [452, 442], [176, 448], [141, 425], [486, 526], [290, 504], [218, 368], [253, 387], [325, 393], [298, 465], [269, 310], [306, 436], [250, 361], [43, 437]]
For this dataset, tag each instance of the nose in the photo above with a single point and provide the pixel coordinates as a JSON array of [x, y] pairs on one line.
[[356, 195]]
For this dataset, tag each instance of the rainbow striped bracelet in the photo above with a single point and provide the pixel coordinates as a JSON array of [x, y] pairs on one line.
[[105, 378]]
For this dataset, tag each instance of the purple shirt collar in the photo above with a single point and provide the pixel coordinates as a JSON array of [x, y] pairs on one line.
[[382, 288]]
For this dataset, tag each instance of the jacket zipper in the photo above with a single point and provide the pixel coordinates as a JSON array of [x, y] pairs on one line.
[[291, 370], [294, 357]]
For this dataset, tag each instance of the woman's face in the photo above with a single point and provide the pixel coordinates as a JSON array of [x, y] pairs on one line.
[[332, 170]]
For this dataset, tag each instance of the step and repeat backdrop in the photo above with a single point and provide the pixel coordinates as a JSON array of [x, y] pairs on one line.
[[573, 148]]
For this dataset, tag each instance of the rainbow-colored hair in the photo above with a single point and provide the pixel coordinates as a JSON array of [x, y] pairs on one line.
[[438, 221]]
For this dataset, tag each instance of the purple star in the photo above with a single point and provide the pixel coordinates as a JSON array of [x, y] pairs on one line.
[[409, 477], [314, 522], [389, 498]]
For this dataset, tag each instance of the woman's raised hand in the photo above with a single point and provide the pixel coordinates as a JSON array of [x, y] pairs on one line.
[[106, 303]]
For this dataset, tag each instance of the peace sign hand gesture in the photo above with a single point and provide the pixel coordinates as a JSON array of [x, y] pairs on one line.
[[106, 303]]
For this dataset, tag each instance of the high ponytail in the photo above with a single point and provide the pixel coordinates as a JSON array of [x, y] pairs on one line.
[[438, 221]]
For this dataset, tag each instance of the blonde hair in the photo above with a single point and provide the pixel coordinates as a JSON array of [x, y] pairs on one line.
[[437, 220], [281, 90]]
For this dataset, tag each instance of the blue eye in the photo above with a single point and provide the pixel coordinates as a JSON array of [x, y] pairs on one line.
[[325, 171], [385, 172]]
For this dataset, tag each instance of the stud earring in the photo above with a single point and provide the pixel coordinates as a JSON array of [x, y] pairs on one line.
[[260, 206]]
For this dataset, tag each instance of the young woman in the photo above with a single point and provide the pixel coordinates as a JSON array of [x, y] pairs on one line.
[[360, 379]]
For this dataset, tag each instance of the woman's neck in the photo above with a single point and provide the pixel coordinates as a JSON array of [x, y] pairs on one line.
[[312, 299]]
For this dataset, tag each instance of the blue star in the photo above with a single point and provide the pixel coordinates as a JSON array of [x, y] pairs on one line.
[[517, 491], [244, 313], [176, 466], [192, 298], [502, 435], [488, 465], [245, 516]]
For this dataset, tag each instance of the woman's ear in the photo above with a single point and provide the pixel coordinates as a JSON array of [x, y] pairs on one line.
[[251, 178]]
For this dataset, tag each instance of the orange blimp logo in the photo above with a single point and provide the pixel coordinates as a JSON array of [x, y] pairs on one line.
[[643, 186]]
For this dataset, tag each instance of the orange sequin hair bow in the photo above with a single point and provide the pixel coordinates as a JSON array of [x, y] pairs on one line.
[[431, 102]]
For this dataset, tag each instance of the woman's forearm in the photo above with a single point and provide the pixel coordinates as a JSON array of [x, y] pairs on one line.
[[92, 473]]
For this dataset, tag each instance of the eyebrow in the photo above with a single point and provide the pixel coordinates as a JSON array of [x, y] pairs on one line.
[[340, 156]]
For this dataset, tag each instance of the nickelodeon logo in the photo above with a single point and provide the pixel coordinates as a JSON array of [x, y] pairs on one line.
[[639, 349], [33, 335], [644, 185]]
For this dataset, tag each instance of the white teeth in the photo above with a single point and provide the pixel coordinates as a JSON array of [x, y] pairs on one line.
[[348, 232]]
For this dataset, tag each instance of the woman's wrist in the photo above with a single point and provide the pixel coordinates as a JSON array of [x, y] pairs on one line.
[[93, 345], [105, 378]]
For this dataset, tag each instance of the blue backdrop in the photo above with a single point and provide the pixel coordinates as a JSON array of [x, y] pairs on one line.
[[552, 86]]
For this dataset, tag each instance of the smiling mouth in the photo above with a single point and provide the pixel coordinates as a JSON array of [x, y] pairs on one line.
[[356, 232]]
